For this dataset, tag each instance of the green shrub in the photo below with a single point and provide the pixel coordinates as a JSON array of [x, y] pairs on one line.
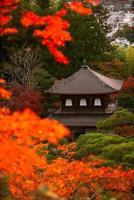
[[64, 141], [113, 148], [119, 152], [129, 159], [50, 157], [93, 143], [120, 117], [89, 137], [107, 163], [4, 188]]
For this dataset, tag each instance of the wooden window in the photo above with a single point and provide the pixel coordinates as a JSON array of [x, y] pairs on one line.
[[68, 102], [97, 102], [83, 102]]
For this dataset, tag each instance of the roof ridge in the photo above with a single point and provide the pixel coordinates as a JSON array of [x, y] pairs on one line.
[[100, 80]]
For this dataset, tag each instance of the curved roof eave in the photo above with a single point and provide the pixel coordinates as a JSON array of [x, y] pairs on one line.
[[86, 81]]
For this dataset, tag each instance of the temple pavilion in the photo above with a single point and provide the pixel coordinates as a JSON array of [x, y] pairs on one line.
[[86, 97]]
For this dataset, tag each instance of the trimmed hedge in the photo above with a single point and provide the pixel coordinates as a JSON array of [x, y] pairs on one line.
[[111, 147], [120, 117], [120, 153]]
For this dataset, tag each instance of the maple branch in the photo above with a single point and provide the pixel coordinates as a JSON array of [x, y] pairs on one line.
[[10, 5]]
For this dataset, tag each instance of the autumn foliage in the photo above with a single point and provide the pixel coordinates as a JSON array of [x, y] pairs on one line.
[[126, 99], [78, 179], [21, 133], [53, 30], [6, 7], [4, 94], [24, 97], [128, 85]]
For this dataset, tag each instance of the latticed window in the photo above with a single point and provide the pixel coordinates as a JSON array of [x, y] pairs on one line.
[[83, 102], [97, 102], [68, 102]]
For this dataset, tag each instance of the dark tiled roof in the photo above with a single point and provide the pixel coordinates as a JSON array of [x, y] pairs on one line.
[[86, 81], [80, 120]]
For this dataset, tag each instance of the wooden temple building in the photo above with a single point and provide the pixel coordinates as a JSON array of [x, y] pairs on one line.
[[86, 98]]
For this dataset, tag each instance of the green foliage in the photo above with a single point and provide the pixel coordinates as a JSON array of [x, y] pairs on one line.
[[53, 153], [114, 148], [120, 53], [120, 117], [112, 68], [108, 163], [49, 151], [93, 143], [121, 153], [126, 55], [127, 32], [89, 42], [24, 36], [64, 141], [55, 5], [4, 190], [126, 101], [51, 156], [42, 79], [129, 158], [129, 61]]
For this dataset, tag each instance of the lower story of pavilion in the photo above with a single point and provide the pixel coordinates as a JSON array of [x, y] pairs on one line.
[[80, 123]]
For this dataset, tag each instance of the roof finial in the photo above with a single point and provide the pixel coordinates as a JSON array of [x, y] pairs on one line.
[[85, 65]]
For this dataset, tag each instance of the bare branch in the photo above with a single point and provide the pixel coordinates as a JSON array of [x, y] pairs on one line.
[[23, 62]]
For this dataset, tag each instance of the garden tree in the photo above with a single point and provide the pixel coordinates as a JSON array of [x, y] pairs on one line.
[[4, 189], [129, 61], [102, 16], [89, 42], [113, 68], [115, 149], [56, 4], [22, 63], [122, 121], [126, 55], [42, 79], [126, 99], [24, 97], [22, 132], [128, 85], [24, 35], [120, 117], [120, 54], [23, 48], [21, 135], [127, 32], [82, 180], [49, 24]]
